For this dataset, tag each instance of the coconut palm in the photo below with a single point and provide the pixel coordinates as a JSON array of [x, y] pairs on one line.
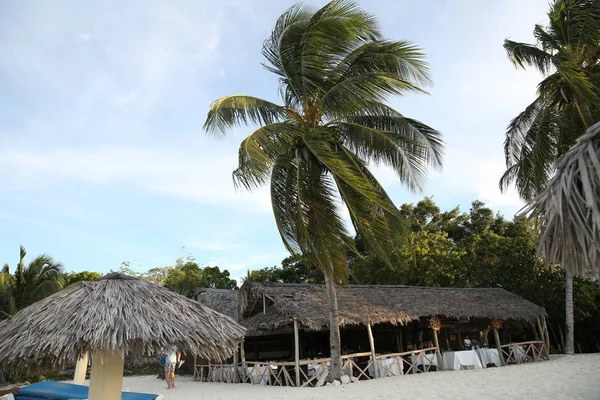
[[40, 278], [567, 53], [335, 72]]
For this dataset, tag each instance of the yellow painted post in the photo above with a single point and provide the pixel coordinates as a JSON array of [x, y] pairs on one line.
[[106, 378], [80, 370]]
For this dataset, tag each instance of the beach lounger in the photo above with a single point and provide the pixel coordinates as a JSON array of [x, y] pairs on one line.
[[48, 390]]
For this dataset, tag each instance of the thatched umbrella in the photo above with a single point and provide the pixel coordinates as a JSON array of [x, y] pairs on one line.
[[568, 211], [111, 317]]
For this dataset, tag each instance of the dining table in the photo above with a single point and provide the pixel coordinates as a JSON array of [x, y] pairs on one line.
[[457, 360], [488, 356]]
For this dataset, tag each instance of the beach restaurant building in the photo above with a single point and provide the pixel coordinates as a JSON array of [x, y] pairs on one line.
[[385, 331]]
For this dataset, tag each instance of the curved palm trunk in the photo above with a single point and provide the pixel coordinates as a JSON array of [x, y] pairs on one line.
[[335, 370], [569, 343]]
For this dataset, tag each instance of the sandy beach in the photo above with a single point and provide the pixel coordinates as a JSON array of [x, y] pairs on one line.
[[576, 378], [573, 378]]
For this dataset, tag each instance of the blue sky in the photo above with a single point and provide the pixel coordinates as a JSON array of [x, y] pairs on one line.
[[102, 156]]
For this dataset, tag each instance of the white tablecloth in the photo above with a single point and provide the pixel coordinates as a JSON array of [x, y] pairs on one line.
[[387, 367], [260, 377], [488, 356], [456, 360]]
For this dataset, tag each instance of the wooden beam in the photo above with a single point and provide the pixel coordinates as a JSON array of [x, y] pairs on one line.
[[264, 304], [546, 337], [373, 355], [438, 352], [243, 357], [399, 344], [498, 346], [297, 352], [236, 371]]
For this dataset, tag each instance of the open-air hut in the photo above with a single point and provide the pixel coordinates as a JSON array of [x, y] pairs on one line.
[[289, 322], [109, 318]]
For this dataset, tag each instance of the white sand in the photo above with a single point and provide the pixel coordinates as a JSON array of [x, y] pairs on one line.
[[576, 378]]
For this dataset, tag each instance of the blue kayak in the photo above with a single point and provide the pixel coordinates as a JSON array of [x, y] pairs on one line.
[[49, 390]]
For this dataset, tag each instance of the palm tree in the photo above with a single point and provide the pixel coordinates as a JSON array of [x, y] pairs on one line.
[[335, 73], [567, 53], [29, 283]]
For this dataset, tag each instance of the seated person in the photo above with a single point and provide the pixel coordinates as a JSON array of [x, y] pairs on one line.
[[467, 343]]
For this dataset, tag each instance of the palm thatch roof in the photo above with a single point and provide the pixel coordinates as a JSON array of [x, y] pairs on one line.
[[364, 304], [114, 312], [569, 208], [223, 301]]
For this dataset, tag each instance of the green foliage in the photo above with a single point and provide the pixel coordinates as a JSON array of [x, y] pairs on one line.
[[83, 276], [30, 282], [294, 269]]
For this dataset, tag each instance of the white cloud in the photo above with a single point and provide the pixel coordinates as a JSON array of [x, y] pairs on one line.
[[177, 173]]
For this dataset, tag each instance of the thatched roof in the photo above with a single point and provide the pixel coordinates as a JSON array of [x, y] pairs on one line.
[[362, 304], [114, 312], [223, 301], [569, 208]]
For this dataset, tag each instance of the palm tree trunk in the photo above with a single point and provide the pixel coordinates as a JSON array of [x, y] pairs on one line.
[[335, 370], [570, 325]]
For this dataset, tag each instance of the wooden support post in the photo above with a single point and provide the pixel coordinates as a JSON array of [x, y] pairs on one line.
[[543, 338], [243, 357], [498, 346], [546, 337], [297, 352], [447, 340], [399, 341], [536, 330], [373, 355], [264, 304], [438, 352], [236, 370], [81, 370]]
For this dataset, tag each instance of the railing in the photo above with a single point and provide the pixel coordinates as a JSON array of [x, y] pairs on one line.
[[314, 372], [519, 353]]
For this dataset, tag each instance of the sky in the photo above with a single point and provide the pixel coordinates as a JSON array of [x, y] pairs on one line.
[[102, 154]]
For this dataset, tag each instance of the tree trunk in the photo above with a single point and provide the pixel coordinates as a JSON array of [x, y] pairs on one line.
[[335, 370], [569, 344]]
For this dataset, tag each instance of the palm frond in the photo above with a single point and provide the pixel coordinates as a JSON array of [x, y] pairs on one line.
[[230, 111], [354, 94], [401, 58], [407, 157], [379, 228], [260, 149], [523, 54], [335, 158], [568, 210], [303, 199]]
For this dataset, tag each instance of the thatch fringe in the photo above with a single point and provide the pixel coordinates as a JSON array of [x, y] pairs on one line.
[[223, 301], [362, 304], [568, 210], [115, 313]]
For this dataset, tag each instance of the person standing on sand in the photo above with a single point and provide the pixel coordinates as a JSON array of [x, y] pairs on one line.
[[173, 357]]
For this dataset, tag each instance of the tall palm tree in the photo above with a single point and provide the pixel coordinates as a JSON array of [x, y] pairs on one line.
[[567, 53], [335, 72], [30, 282]]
